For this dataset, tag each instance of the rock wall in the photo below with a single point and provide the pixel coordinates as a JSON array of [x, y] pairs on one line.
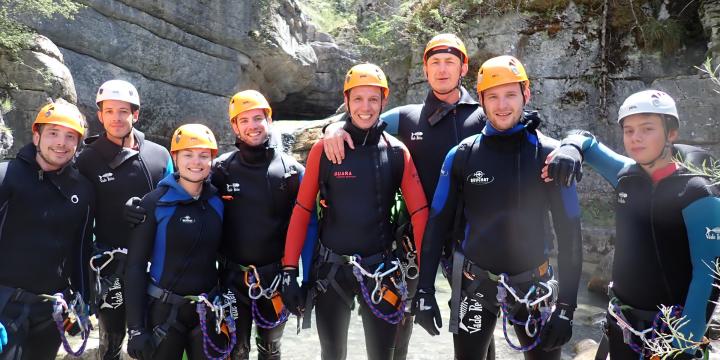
[[187, 58], [29, 78]]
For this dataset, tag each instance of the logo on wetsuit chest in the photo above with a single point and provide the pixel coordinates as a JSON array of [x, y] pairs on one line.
[[234, 187], [416, 135], [106, 177], [712, 234], [622, 198], [480, 178], [187, 220], [346, 174]]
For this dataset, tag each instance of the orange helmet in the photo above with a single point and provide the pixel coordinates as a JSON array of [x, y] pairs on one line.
[[448, 41], [63, 114], [193, 136], [501, 70], [366, 74], [248, 100]]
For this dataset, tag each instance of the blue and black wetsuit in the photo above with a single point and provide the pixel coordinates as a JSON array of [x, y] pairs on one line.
[[180, 238], [117, 174], [46, 225], [495, 176], [668, 227], [258, 185]]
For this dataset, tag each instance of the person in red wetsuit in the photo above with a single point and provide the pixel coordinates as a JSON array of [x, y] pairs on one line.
[[353, 255]]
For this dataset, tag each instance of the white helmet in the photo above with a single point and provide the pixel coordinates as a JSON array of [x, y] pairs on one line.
[[118, 90], [648, 101]]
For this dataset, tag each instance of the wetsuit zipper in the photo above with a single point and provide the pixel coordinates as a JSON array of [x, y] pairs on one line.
[[145, 172], [654, 239]]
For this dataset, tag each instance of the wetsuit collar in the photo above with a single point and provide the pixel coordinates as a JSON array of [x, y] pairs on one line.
[[257, 155], [664, 172], [176, 193], [489, 130], [113, 154], [360, 137], [27, 154], [439, 109]]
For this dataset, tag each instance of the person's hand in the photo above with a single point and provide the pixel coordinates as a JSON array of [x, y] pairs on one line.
[[558, 330], [133, 213], [290, 291], [334, 140], [563, 165], [426, 311], [3, 337], [140, 344]]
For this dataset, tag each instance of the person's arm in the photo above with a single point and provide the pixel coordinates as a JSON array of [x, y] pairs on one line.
[[335, 136], [702, 221], [595, 154], [140, 250], [415, 200], [310, 239], [565, 208], [304, 208], [566, 221], [441, 220]]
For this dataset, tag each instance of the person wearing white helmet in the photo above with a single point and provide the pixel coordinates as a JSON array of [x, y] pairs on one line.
[[121, 164], [666, 229]]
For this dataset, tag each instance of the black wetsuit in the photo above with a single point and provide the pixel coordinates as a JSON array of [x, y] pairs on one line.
[[429, 131], [46, 225], [668, 227], [258, 186], [117, 174], [180, 238], [357, 197], [498, 183]]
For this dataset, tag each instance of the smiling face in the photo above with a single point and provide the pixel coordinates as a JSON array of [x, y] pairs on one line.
[[251, 127], [56, 146], [365, 103], [193, 165], [503, 104], [644, 137], [443, 71], [117, 118]]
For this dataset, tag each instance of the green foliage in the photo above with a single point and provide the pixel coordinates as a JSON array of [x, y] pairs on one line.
[[664, 35], [15, 36], [597, 212], [330, 15]]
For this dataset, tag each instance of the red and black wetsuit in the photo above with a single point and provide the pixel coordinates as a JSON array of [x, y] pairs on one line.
[[358, 195]]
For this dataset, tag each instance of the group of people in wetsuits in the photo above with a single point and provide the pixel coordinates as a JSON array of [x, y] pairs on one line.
[[216, 244]]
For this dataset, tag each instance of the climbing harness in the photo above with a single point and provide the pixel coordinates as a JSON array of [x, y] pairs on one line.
[[103, 284], [617, 311], [538, 301], [66, 316], [256, 291], [380, 291], [218, 306]]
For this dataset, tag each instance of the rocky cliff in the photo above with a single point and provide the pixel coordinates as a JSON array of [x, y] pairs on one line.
[[188, 57]]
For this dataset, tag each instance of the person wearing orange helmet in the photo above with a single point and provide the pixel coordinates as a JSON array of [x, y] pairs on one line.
[[47, 208], [176, 306], [448, 115], [500, 267], [353, 257], [121, 164], [258, 183]]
